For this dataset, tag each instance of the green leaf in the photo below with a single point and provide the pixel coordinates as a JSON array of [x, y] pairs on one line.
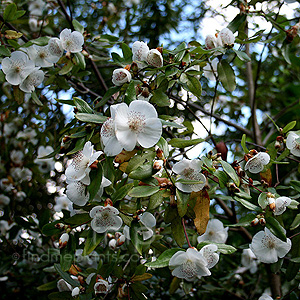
[[91, 118], [67, 254], [130, 92], [194, 86], [66, 276], [235, 24], [78, 146], [274, 226], [109, 93], [295, 224], [121, 192], [136, 237], [60, 296], [4, 51], [80, 60], [177, 231], [245, 221], [143, 191], [221, 175], [293, 267], [295, 184], [182, 143], [127, 54], [78, 219], [163, 260], [229, 170], [163, 145], [289, 126], [41, 41], [263, 201], [10, 12], [222, 248], [48, 286], [242, 55], [66, 68], [226, 75], [286, 51], [171, 124], [50, 229], [180, 52], [19, 14], [182, 201], [92, 241], [78, 26], [142, 172], [160, 98], [35, 99], [246, 203], [96, 180], [156, 200], [82, 106], [243, 143]]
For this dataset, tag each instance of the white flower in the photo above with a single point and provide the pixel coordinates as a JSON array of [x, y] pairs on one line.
[[140, 51], [267, 247], [257, 162], [111, 8], [132, 2], [154, 58], [62, 202], [36, 7], [189, 170], [21, 174], [280, 205], [112, 146], [55, 50], [17, 156], [120, 76], [104, 183], [215, 232], [71, 41], [137, 123], [265, 297], [4, 200], [210, 70], [28, 134], [6, 185], [76, 192], [101, 287], [35, 24], [209, 253], [45, 164], [17, 67], [249, 260], [226, 38], [211, 42], [105, 218], [293, 143], [147, 221], [20, 196], [79, 168], [75, 292], [34, 79], [189, 265], [38, 55], [63, 286]]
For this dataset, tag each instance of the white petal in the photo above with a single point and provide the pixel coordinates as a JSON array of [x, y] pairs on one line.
[[96, 210], [180, 166], [76, 192], [151, 133], [283, 248], [127, 139], [178, 259], [144, 108], [148, 219]]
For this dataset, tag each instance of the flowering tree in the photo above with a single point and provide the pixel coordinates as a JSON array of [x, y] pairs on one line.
[[120, 199]]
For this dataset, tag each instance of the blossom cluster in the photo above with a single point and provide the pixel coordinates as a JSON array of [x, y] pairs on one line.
[[23, 68]]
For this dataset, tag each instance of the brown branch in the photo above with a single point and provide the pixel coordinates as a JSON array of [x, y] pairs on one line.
[[217, 117]]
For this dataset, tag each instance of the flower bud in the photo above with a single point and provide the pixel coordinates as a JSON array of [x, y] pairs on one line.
[[63, 240], [154, 58], [121, 240], [226, 38], [254, 222], [59, 225], [121, 76], [140, 51], [112, 244], [75, 292], [272, 203], [108, 202], [262, 221]]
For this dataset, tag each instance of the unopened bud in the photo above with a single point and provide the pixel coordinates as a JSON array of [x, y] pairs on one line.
[[272, 203], [108, 202], [59, 225], [112, 244], [156, 166], [159, 153], [145, 92], [63, 240], [262, 221], [121, 240], [254, 222], [127, 68], [75, 292], [277, 145], [94, 165], [134, 67]]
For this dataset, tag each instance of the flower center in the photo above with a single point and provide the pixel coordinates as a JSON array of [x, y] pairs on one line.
[[136, 121], [188, 173], [189, 268]]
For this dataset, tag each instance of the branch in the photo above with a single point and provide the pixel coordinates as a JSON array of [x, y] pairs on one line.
[[94, 66], [217, 117]]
